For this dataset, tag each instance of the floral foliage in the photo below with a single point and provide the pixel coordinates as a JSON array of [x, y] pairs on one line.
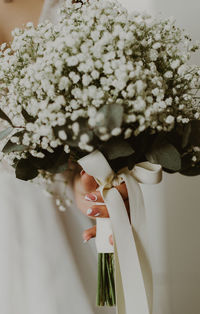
[[101, 78]]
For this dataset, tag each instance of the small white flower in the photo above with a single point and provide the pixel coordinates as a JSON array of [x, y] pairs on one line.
[[153, 55], [62, 135], [58, 202], [194, 158], [84, 138], [156, 45], [169, 119], [116, 131], [168, 74], [86, 79], [105, 137], [54, 143], [64, 83], [66, 149], [40, 155], [175, 64], [127, 133], [75, 128]]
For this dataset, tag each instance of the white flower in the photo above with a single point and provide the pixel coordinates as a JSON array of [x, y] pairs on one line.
[[140, 86], [72, 61], [168, 74], [155, 91], [139, 104], [66, 149], [86, 79], [128, 133], [84, 138], [75, 78], [156, 45], [62, 135], [54, 143], [153, 55], [116, 131], [95, 74], [194, 158], [169, 119], [182, 69], [75, 128], [175, 64]]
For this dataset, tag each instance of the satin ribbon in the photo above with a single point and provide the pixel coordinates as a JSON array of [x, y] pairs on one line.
[[133, 278]]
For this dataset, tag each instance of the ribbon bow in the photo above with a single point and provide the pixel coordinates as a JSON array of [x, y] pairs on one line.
[[133, 278]]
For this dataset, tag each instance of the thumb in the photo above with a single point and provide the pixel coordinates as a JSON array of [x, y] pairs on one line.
[[88, 182]]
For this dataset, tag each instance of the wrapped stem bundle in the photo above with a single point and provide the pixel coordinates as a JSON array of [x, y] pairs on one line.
[[106, 280]]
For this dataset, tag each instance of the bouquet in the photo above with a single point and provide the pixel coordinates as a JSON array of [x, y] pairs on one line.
[[103, 80]]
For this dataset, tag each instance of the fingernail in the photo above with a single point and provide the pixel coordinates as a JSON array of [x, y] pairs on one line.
[[82, 172], [84, 241], [89, 211], [93, 212], [91, 197]]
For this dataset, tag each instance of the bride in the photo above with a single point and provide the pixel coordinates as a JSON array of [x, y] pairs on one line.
[[44, 266]]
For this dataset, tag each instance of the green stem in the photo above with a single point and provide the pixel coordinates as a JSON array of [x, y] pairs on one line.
[[99, 290], [106, 284]]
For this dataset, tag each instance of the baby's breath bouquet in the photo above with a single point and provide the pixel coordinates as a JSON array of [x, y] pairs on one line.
[[101, 78]]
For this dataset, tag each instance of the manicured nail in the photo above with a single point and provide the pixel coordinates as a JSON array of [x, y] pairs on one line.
[[82, 172], [93, 212], [89, 211], [91, 197]]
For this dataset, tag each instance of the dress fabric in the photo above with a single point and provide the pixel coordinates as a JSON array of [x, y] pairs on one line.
[[45, 268]]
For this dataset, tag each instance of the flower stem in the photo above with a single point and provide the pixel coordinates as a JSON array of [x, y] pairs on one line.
[[106, 283]]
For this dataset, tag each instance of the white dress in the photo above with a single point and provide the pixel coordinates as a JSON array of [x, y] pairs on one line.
[[45, 268]]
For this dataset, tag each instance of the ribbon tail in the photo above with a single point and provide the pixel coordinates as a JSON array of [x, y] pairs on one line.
[[138, 222], [129, 265], [120, 302]]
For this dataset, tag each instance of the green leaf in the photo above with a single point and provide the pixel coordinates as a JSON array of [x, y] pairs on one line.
[[59, 163], [195, 133], [3, 116], [25, 170], [5, 133], [192, 171], [186, 135], [165, 154], [113, 115], [27, 116], [117, 148], [12, 147], [188, 169]]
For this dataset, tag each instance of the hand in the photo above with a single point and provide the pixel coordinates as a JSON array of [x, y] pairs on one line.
[[86, 195]]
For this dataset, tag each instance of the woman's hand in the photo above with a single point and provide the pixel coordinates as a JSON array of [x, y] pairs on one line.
[[86, 195]]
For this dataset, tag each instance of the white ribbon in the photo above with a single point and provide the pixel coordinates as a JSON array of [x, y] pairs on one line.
[[133, 278]]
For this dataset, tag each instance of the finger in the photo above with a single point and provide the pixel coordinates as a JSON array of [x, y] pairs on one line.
[[96, 196], [111, 239], [89, 233], [88, 182], [122, 190], [97, 211], [101, 211]]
